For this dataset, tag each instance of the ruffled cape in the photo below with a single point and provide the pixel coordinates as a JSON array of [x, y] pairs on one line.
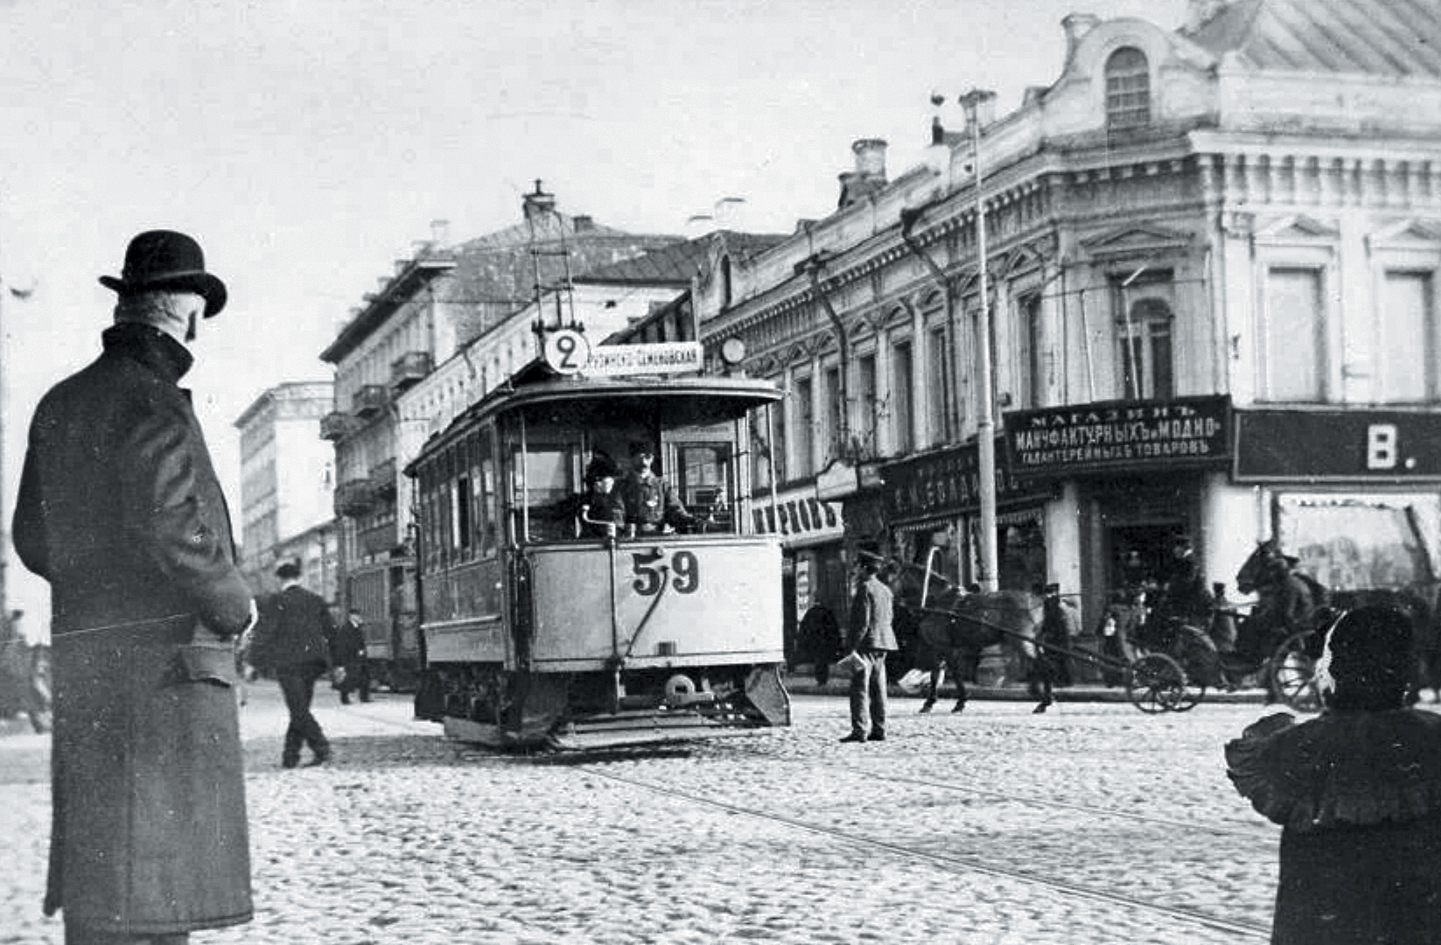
[[1341, 769]]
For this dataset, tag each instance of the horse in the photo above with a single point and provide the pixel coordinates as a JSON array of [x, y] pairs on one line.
[[1292, 601], [954, 626]]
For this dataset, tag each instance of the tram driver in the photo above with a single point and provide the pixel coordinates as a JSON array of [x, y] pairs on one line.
[[650, 500]]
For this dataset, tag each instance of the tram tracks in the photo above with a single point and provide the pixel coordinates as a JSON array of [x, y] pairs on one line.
[[950, 862], [1050, 803]]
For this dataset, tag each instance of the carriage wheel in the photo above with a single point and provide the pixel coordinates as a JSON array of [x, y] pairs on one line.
[[1156, 683], [1293, 673]]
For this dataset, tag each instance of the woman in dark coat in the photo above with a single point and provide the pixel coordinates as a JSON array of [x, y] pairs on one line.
[[120, 511], [1357, 792]]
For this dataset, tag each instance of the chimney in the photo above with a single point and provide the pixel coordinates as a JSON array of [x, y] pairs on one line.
[[1201, 12], [699, 225], [439, 234], [582, 223], [870, 158], [538, 202], [869, 175], [1077, 25]]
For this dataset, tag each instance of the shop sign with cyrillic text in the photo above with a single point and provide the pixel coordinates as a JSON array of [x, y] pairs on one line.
[[1119, 436]]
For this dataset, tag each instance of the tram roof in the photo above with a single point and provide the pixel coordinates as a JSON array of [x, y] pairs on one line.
[[671, 401]]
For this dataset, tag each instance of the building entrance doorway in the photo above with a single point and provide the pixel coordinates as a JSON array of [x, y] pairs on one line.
[[1140, 557]]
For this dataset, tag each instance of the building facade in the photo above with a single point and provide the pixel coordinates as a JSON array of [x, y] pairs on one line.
[[287, 477], [1211, 258]]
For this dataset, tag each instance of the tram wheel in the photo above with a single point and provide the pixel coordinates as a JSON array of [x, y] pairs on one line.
[[1293, 673], [1156, 683]]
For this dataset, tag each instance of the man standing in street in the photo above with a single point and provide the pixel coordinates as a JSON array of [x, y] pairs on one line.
[[292, 640], [871, 638], [348, 655], [120, 511]]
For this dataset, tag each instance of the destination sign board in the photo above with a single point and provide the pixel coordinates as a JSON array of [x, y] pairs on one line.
[[567, 351], [665, 357], [1119, 435]]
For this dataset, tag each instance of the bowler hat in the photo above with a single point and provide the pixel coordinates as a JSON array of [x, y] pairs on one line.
[[288, 571], [166, 260]]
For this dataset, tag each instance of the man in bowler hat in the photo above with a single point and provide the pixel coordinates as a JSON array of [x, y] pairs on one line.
[[120, 511], [292, 640]]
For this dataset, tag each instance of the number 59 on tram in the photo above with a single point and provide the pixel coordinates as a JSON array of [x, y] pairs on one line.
[[540, 625]]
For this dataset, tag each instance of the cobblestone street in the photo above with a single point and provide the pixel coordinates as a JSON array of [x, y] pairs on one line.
[[1093, 823]]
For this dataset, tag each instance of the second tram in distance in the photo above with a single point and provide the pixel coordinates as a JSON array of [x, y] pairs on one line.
[[534, 629]]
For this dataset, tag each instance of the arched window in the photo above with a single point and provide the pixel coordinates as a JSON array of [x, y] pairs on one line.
[[1128, 88]]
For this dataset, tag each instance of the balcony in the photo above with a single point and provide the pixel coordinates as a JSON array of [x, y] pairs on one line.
[[371, 400], [382, 479], [409, 369], [335, 425], [354, 497]]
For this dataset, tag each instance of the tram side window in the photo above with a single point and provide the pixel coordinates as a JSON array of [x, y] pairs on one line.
[[460, 523]]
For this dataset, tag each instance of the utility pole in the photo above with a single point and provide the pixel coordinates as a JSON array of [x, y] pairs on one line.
[[985, 408]]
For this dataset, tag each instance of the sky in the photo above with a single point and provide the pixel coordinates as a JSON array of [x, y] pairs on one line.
[[308, 144]]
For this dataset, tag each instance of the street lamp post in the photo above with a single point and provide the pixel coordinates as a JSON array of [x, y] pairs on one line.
[[985, 408]]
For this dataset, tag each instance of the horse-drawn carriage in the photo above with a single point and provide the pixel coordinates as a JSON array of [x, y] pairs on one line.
[[1171, 665]]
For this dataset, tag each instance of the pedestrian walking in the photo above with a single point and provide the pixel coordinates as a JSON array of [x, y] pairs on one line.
[[292, 641], [347, 653], [120, 511], [871, 638], [1357, 792]]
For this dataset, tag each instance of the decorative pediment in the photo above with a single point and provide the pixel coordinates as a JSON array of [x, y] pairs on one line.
[[897, 317], [1295, 229], [1408, 234], [1135, 241]]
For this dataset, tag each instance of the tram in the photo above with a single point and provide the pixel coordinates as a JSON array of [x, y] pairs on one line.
[[535, 630]]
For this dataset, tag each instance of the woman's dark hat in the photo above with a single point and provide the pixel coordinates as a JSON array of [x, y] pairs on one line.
[[599, 468], [1370, 658], [164, 259]]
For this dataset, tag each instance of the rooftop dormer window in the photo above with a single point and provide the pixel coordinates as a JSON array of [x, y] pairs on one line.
[[1128, 89]]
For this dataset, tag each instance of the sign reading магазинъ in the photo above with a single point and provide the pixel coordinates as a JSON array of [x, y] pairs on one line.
[[1119, 435]]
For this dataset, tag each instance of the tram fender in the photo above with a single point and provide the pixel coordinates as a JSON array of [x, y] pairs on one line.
[[538, 702], [768, 695]]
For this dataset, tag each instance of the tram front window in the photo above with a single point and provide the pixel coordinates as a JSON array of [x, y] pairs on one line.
[[550, 482], [705, 484]]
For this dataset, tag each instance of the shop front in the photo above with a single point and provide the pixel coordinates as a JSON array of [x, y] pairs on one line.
[[813, 568], [1354, 494], [933, 501], [1138, 481]]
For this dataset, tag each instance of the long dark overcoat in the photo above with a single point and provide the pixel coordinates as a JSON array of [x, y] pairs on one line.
[[120, 510]]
